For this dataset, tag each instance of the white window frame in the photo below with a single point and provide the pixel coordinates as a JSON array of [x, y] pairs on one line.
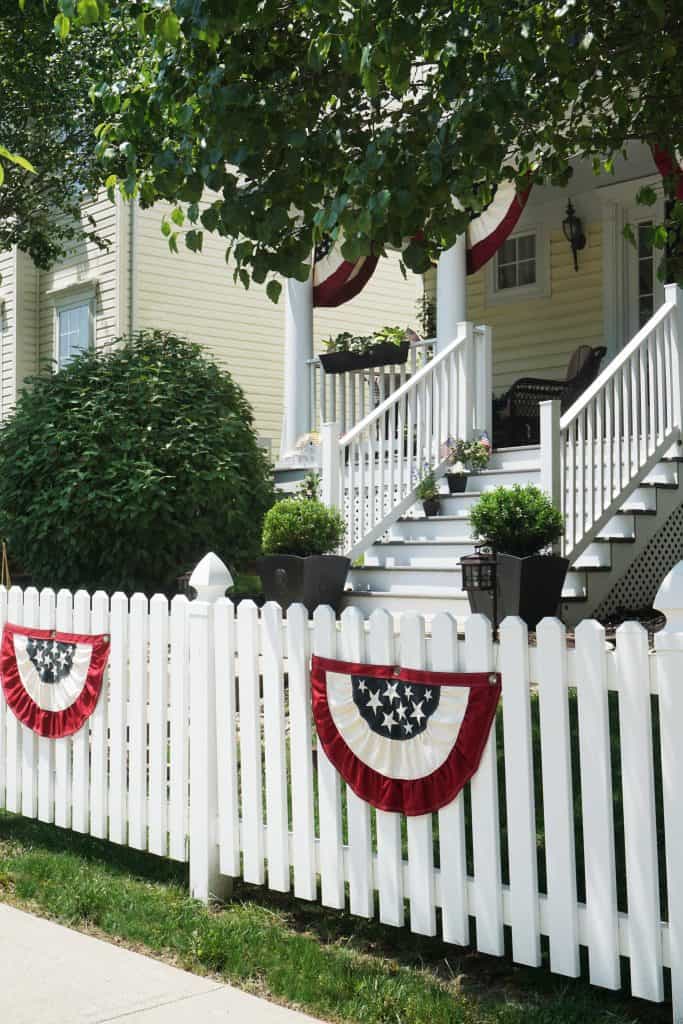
[[73, 297], [521, 293]]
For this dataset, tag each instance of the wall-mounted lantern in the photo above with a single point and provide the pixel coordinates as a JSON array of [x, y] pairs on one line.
[[573, 232]]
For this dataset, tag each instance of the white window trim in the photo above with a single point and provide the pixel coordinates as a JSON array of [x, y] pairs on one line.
[[71, 297], [540, 289]]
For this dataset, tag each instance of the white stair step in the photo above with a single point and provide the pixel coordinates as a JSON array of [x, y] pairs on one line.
[[665, 474], [431, 554], [523, 457], [398, 604], [456, 527], [620, 528], [488, 479], [407, 580], [574, 588], [643, 499], [596, 556]]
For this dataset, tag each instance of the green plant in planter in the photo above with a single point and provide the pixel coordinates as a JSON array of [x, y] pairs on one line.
[[359, 344], [302, 526], [427, 488], [516, 520]]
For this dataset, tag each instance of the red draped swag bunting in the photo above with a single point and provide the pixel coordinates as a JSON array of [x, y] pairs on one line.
[[669, 167], [336, 280]]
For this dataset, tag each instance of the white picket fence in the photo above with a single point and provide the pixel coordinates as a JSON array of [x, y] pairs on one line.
[[198, 692]]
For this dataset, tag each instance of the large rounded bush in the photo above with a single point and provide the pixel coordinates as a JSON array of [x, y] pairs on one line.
[[122, 470], [516, 520]]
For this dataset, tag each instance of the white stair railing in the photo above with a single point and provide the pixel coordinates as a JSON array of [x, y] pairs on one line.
[[371, 473], [596, 454]]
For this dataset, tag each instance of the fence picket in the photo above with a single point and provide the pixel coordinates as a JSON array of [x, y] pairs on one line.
[[419, 827], [158, 725], [558, 809], [389, 850], [63, 747], [596, 799], [485, 812], [98, 730], [29, 740], [46, 796], [180, 717], [80, 811], [118, 719], [250, 742], [452, 844], [361, 893], [301, 740], [15, 614], [329, 789], [226, 739], [640, 826], [519, 793], [277, 832], [137, 723]]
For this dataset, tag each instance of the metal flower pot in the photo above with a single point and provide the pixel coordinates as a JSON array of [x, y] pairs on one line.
[[310, 580]]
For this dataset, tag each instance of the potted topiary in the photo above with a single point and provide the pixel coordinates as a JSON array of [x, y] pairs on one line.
[[297, 567], [387, 347], [427, 491], [519, 524], [464, 457]]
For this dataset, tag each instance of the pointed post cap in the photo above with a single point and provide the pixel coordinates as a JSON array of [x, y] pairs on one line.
[[669, 599], [211, 578]]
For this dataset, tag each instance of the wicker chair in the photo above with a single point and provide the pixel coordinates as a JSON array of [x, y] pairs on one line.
[[516, 418]]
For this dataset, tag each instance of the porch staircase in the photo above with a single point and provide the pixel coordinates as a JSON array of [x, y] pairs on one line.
[[415, 565]]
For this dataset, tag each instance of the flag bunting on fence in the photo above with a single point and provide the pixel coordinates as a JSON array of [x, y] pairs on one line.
[[403, 739], [52, 681]]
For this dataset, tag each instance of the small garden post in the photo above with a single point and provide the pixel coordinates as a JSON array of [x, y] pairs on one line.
[[550, 454], [210, 579], [331, 495]]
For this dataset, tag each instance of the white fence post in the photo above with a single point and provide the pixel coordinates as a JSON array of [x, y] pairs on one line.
[[210, 579], [669, 655], [550, 480], [331, 490]]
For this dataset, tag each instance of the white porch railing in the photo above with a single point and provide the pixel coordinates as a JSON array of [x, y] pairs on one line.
[[346, 398], [603, 447], [372, 471]]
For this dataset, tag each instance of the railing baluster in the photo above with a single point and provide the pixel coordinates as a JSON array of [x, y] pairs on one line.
[[581, 482], [599, 502], [610, 440]]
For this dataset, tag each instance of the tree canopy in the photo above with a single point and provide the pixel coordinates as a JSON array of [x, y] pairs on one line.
[[48, 162], [376, 120]]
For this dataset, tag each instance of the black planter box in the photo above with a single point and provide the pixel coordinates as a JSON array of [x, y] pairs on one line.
[[310, 580], [457, 482], [530, 587], [432, 506], [383, 354]]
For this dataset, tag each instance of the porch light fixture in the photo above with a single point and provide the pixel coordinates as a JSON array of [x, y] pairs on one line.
[[573, 232]]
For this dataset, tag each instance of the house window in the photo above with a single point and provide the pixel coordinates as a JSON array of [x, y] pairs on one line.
[[74, 331], [646, 273], [516, 263]]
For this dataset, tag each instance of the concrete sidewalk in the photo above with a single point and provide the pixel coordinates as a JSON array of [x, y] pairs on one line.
[[51, 975]]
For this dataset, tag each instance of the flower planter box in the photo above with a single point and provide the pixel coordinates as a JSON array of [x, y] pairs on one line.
[[310, 580], [383, 354], [457, 482], [530, 587]]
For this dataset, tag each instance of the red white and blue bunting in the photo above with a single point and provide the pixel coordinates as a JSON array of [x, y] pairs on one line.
[[336, 280], [403, 739], [52, 681]]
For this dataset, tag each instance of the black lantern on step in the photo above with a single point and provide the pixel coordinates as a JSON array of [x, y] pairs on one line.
[[573, 232], [480, 573]]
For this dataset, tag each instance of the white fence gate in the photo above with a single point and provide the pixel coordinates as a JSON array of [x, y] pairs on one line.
[[572, 828]]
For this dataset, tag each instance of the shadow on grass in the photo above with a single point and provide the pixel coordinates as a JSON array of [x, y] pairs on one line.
[[322, 957]]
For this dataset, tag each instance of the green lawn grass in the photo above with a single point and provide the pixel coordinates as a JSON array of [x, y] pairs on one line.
[[323, 961]]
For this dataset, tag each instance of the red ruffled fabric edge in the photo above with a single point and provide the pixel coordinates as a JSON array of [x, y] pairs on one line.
[[338, 289], [668, 168], [480, 253], [52, 724], [410, 797]]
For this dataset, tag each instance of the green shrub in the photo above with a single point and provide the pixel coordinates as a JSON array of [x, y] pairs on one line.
[[427, 486], [302, 526], [126, 467], [516, 520]]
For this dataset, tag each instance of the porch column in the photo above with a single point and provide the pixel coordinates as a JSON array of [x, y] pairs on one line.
[[298, 350], [451, 292]]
